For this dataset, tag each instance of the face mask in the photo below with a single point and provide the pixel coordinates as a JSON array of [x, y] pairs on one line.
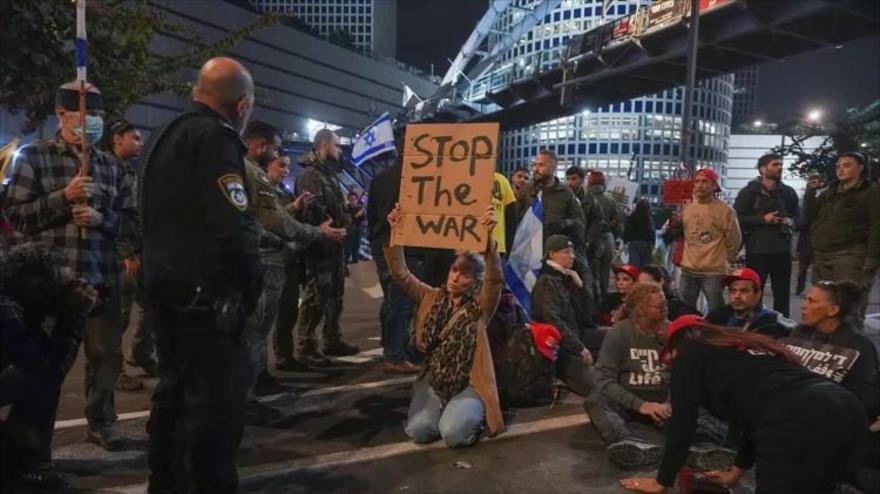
[[94, 128]]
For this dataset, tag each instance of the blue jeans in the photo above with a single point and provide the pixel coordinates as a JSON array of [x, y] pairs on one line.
[[711, 285], [459, 423], [396, 310]]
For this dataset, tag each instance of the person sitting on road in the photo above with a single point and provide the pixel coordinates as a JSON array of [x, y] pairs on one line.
[[826, 312], [631, 383], [455, 394], [555, 301], [675, 305], [630, 405], [624, 277], [36, 283], [800, 426], [745, 310]]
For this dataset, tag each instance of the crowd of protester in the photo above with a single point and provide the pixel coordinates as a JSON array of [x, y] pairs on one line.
[[668, 378]]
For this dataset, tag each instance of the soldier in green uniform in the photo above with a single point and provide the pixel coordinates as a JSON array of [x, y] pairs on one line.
[[325, 263], [265, 205]]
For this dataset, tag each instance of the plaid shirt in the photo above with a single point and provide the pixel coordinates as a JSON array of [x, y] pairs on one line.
[[36, 206]]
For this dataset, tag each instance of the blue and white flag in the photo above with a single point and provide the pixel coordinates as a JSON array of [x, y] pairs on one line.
[[81, 43], [376, 139], [524, 262]]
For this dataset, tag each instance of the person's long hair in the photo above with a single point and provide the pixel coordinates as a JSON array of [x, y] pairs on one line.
[[638, 295], [722, 337]]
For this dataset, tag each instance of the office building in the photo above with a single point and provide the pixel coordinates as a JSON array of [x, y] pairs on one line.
[[371, 23]]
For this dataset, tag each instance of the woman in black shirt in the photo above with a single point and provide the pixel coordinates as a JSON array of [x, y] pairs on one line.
[[800, 429]]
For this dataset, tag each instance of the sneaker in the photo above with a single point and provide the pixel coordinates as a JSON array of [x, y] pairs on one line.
[[107, 437], [340, 349], [632, 454], [292, 365], [256, 413], [402, 367], [707, 457], [128, 384], [43, 480]]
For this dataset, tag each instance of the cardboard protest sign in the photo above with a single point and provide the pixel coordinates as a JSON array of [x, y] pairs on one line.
[[826, 360], [446, 184], [622, 192]]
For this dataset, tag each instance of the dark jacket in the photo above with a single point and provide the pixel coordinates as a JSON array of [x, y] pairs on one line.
[[25, 344], [752, 203], [862, 377], [639, 228], [554, 301], [845, 219], [610, 212], [610, 303], [384, 192], [196, 228], [763, 321], [563, 213], [735, 386], [593, 217], [321, 177]]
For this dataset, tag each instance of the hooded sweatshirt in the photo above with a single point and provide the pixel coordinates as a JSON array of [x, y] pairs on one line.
[[628, 371], [711, 237], [862, 377]]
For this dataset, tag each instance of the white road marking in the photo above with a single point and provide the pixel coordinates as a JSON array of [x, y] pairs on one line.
[[343, 458], [66, 424]]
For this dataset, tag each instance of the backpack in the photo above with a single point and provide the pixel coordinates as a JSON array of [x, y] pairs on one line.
[[524, 376]]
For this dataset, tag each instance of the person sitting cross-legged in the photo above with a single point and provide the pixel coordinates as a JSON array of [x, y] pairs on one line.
[[455, 394], [745, 310], [630, 405]]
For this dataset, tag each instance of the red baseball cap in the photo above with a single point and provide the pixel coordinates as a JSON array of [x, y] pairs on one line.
[[743, 274], [547, 338], [675, 326], [628, 269], [711, 175]]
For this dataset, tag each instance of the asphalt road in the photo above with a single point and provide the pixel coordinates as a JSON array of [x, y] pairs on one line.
[[342, 432]]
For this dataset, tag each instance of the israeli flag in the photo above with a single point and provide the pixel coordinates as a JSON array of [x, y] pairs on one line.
[[524, 262], [376, 139], [81, 43]]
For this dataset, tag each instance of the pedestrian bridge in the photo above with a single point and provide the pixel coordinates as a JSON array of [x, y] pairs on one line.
[[636, 56]]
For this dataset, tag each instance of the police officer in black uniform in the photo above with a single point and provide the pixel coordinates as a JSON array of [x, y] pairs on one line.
[[203, 276]]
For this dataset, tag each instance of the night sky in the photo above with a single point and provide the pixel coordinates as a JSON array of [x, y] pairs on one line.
[[430, 31], [831, 80]]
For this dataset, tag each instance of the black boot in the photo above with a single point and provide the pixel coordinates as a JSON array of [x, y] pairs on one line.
[[340, 349]]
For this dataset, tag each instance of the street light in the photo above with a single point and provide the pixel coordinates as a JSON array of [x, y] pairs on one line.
[[814, 115], [758, 123]]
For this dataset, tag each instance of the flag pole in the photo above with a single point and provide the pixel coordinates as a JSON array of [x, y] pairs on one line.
[[81, 58]]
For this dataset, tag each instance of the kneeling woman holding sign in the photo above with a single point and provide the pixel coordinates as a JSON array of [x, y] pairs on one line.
[[456, 394], [799, 428]]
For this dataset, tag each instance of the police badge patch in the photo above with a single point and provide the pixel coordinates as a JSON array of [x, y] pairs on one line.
[[232, 187]]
